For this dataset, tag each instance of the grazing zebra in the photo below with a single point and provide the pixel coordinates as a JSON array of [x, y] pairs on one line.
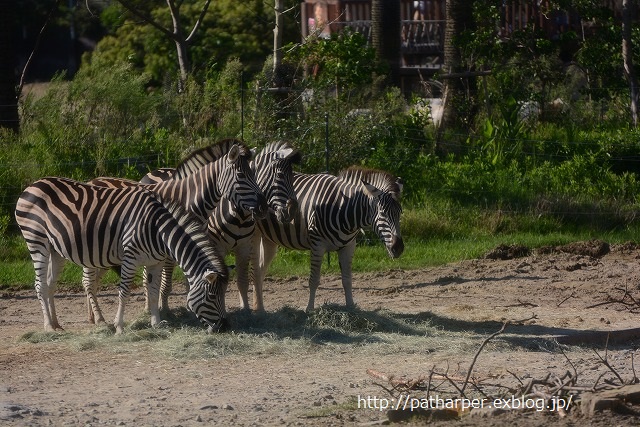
[[332, 211], [229, 228], [99, 227]]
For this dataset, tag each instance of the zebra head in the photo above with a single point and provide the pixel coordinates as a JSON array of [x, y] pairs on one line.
[[238, 183], [206, 300], [383, 191], [274, 174], [386, 216]]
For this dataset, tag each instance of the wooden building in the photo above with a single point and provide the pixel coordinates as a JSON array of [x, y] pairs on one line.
[[423, 25]]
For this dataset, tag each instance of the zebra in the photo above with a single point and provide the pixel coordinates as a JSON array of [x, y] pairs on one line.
[[229, 228], [232, 232], [332, 211], [201, 191], [99, 227]]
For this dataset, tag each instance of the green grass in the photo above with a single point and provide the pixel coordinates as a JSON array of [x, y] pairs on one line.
[[430, 240]]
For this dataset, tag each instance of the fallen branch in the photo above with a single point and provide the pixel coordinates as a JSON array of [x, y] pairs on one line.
[[475, 357]]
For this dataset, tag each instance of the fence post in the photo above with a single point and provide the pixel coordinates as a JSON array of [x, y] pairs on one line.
[[326, 162], [242, 105], [326, 141]]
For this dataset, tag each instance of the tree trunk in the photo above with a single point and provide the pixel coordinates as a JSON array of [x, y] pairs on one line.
[[628, 11], [277, 36], [181, 43], [385, 35], [457, 95], [8, 96], [177, 34]]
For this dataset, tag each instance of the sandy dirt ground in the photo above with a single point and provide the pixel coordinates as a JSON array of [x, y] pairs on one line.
[[548, 294]]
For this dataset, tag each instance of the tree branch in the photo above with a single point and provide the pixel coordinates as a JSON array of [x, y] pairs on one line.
[[35, 48], [199, 21], [147, 18]]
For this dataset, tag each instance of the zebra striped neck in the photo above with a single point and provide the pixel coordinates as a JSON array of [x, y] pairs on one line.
[[189, 245], [199, 192]]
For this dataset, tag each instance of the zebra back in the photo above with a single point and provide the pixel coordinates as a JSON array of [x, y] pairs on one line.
[[105, 181], [201, 157], [157, 176]]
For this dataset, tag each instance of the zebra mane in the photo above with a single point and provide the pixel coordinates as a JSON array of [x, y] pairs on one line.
[[380, 179], [198, 158], [198, 232]]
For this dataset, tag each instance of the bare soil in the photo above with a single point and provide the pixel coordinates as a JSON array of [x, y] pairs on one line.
[[550, 296]]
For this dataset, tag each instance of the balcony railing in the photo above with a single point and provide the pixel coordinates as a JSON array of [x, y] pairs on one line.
[[418, 36]]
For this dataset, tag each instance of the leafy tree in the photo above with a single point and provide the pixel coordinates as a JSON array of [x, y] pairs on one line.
[[342, 61], [229, 29]]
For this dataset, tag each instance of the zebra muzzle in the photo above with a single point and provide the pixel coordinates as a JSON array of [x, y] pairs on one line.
[[397, 247], [221, 325], [262, 208]]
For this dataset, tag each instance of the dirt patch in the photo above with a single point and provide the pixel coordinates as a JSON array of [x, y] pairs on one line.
[[321, 378]]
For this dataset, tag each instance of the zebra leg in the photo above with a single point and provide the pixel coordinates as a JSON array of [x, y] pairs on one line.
[[41, 261], [243, 257], [91, 282], [263, 254], [56, 262], [317, 255], [145, 286], [166, 285], [154, 274], [127, 273], [345, 257]]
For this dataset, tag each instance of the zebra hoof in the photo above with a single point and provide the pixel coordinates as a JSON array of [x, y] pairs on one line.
[[163, 324]]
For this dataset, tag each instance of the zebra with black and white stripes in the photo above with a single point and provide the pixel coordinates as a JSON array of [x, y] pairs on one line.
[[200, 192], [98, 227], [232, 232], [332, 211]]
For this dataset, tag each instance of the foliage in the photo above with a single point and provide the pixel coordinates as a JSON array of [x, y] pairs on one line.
[[342, 61], [230, 29], [571, 165]]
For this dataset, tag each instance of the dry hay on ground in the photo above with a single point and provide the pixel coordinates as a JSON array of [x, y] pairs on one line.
[[287, 367]]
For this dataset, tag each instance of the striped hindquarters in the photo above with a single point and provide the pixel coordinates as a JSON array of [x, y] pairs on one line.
[[85, 224]]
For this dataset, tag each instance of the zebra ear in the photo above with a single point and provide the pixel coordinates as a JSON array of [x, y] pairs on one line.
[[290, 154], [210, 276], [371, 190], [284, 153], [400, 183], [234, 153]]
